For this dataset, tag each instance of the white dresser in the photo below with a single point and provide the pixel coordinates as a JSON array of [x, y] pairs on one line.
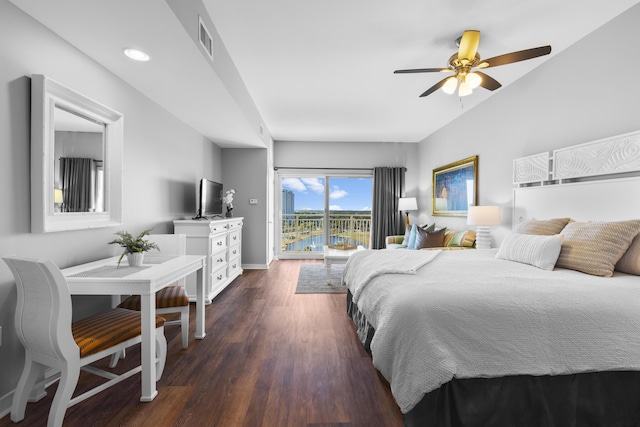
[[221, 241]]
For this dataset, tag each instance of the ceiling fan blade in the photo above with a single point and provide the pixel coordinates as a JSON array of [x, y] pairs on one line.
[[512, 57], [488, 82], [422, 70], [468, 45], [435, 87]]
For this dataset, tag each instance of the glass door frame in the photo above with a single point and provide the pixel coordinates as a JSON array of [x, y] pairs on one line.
[[325, 174]]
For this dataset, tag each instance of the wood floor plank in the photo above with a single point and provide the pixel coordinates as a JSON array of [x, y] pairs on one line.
[[270, 358]]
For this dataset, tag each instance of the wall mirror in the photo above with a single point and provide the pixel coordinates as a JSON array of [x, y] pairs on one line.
[[76, 160]]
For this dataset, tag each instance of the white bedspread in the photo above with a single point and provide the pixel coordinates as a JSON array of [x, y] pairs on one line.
[[466, 314], [365, 265]]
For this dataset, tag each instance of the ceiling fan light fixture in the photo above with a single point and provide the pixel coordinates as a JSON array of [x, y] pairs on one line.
[[450, 85], [464, 89], [473, 80]]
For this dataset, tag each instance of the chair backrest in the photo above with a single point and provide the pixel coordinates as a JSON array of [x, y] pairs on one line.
[[43, 312], [170, 244]]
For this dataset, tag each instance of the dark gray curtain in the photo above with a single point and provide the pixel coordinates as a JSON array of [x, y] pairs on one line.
[[76, 184], [388, 186]]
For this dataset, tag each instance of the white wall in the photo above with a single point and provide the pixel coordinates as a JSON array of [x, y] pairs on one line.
[[163, 161], [351, 155], [585, 93]]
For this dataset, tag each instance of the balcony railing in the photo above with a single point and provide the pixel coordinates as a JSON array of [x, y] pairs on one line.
[[303, 232]]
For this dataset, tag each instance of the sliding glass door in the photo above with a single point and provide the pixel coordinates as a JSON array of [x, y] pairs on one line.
[[319, 209]]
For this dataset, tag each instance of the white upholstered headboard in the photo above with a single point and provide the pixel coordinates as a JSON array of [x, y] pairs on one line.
[[578, 182], [607, 200]]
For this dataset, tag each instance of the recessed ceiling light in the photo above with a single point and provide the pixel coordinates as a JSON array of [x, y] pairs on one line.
[[136, 54]]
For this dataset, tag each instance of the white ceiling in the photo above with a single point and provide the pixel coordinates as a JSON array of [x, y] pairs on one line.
[[318, 71]]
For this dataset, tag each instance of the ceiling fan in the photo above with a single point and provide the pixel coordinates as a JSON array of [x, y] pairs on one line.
[[466, 60]]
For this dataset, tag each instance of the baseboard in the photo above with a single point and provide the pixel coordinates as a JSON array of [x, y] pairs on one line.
[[255, 267], [39, 391], [5, 404]]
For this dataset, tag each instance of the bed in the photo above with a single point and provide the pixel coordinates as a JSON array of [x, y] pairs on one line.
[[476, 338]]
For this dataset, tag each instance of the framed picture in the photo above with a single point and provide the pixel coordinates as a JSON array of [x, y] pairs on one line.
[[455, 187]]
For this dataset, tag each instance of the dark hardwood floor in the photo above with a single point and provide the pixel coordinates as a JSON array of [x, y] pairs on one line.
[[270, 358]]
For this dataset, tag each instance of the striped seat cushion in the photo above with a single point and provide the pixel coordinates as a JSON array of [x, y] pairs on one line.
[[171, 296], [104, 330]]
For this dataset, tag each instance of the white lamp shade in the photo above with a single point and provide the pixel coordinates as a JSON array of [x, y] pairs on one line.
[[464, 89], [473, 80], [484, 215], [57, 196], [450, 85], [407, 204]]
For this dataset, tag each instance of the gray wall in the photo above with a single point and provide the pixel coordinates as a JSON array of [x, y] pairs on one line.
[[245, 170], [583, 94], [163, 160]]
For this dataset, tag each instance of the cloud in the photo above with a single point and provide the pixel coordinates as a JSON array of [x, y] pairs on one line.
[[314, 184], [335, 208], [294, 184], [337, 193]]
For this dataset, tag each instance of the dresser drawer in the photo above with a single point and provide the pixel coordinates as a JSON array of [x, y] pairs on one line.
[[234, 238], [233, 267], [234, 252], [218, 278], [218, 244], [234, 225], [218, 259]]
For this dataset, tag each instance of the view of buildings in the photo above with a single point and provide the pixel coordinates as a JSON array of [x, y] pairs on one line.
[[304, 204]]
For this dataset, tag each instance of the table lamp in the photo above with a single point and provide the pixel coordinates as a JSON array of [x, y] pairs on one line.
[[58, 199], [483, 217], [407, 204]]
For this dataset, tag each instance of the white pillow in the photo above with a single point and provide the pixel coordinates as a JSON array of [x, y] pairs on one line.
[[539, 251]]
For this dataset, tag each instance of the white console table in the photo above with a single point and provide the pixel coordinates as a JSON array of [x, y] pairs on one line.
[[220, 240]]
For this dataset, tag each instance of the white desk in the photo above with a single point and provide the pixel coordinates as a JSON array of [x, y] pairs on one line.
[[336, 256], [158, 271]]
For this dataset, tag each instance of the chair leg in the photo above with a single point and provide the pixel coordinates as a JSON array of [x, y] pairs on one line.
[[184, 326], [68, 381], [161, 352], [117, 356], [30, 373]]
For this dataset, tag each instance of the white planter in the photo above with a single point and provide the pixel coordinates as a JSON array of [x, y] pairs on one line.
[[135, 259]]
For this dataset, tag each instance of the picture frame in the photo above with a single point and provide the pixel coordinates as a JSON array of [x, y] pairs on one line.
[[455, 187]]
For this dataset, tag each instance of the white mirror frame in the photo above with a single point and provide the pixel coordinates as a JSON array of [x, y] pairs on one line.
[[46, 94]]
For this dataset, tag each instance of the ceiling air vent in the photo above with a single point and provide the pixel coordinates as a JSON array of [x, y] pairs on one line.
[[205, 38]]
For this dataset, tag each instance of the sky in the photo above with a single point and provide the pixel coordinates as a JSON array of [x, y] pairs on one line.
[[349, 194]]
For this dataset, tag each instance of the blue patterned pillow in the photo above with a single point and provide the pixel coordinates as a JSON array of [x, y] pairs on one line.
[[407, 235], [412, 237]]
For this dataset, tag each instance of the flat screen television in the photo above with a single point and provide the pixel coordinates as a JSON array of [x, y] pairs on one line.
[[210, 201]]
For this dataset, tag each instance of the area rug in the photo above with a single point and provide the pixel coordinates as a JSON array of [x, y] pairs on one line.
[[313, 280]]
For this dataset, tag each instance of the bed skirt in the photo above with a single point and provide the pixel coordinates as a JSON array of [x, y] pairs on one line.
[[589, 399]]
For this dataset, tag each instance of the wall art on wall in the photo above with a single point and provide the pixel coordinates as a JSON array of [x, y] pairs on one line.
[[455, 187]]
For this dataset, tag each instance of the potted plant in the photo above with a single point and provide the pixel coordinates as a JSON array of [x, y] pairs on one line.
[[134, 247], [228, 200]]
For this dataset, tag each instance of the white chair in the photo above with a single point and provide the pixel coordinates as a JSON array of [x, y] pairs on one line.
[[172, 299], [44, 327]]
